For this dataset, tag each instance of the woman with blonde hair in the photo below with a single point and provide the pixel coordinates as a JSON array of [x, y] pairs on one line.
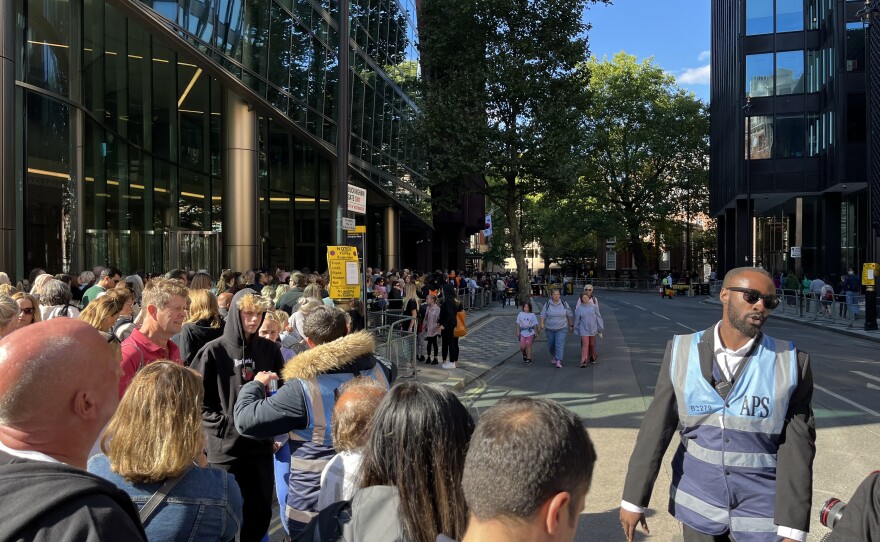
[[280, 290], [411, 305], [29, 309], [202, 326], [102, 313], [8, 315], [154, 447], [225, 282]]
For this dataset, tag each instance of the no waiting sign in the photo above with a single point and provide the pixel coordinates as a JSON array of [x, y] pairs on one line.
[[357, 200]]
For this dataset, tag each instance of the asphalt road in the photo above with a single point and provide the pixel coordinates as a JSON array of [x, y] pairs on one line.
[[612, 396]]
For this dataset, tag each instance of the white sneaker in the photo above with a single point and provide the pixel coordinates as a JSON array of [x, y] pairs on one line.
[[448, 365]]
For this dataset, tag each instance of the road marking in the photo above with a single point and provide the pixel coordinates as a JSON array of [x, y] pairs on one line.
[[866, 375], [643, 308], [872, 386], [660, 315], [684, 326], [845, 400]]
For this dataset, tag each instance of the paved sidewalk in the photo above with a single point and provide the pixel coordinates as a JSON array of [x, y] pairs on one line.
[[491, 340]]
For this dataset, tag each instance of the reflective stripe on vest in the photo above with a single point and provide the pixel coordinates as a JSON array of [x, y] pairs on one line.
[[320, 400], [725, 467]]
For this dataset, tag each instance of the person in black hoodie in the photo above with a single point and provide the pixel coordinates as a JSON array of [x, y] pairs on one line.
[[45, 492], [226, 364]]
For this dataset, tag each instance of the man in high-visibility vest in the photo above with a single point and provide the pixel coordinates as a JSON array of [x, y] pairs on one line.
[[741, 401]]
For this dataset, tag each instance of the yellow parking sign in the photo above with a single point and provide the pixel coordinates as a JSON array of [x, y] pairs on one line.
[[869, 274], [345, 275]]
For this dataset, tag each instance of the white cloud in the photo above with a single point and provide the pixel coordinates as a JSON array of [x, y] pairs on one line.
[[695, 76], [704, 56]]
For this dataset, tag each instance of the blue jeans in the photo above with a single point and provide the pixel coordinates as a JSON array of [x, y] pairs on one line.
[[556, 342], [282, 477], [852, 304]]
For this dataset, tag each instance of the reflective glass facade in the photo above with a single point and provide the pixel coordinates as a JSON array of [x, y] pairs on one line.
[[799, 98], [121, 160]]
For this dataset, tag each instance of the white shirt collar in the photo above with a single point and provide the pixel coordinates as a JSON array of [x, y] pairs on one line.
[[721, 349], [28, 454]]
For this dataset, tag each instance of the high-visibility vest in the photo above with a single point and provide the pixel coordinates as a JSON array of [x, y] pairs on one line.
[[724, 470]]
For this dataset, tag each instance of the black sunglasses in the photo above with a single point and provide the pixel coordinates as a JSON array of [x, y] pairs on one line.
[[771, 301]]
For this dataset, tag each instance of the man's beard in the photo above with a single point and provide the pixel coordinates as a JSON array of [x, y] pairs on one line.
[[742, 322]]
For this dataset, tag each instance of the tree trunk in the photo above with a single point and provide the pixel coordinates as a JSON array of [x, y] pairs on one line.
[[638, 249], [516, 242]]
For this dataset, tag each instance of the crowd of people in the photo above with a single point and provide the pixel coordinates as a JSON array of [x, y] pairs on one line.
[[823, 291], [189, 405]]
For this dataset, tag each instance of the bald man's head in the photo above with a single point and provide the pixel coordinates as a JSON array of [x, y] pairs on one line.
[[54, 361], [357, 403]]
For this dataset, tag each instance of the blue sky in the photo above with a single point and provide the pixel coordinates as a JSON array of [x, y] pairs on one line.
[[674, 32]]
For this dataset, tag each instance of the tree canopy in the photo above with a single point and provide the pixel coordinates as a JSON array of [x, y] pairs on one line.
[[646, 144]]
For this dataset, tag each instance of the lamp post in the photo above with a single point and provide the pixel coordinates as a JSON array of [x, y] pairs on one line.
[[747, 110], [871, 14]]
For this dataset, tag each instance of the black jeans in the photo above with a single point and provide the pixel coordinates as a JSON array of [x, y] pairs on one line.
[[256, 478], [450, 344]]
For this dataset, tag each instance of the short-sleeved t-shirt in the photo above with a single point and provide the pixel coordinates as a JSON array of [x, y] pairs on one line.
[[527, 323]]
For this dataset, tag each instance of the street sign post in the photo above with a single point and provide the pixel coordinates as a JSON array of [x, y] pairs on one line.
[[357, 200], [347, 224]]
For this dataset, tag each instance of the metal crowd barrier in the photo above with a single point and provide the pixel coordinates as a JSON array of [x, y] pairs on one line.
[[838, 311], [396, 343], [474, 300]]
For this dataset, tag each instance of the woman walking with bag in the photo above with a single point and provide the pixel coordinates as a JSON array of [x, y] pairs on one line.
[[554, 317], [588, 323]]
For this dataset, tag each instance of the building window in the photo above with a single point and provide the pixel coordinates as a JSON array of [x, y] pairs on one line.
[[759, 75], [789, 73], [759, 137], [759, 17], [789, 141], [815, 72], [855, 47], [610, 260], [856, 118], [814, 136], [789, 15]]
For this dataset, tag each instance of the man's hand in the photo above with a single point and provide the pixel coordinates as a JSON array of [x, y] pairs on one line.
[[264, 377], [629, 521]]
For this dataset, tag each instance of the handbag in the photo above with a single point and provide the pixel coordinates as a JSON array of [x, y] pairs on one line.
[[460, 326]]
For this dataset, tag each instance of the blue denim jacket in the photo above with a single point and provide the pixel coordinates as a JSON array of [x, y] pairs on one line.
[[204, 506]]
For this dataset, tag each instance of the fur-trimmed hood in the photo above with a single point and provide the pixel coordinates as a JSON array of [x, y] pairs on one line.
[[354, 352]]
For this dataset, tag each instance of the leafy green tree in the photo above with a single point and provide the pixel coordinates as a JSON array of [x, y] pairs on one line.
[[504, 102], [647, 144]]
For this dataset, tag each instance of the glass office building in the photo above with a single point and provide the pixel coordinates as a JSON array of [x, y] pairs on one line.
[[788, 136], [204, 133]]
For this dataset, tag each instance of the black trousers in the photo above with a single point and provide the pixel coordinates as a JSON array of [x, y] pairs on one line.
[[432, 344], [690, 535], [256, 478], [450, 344]]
